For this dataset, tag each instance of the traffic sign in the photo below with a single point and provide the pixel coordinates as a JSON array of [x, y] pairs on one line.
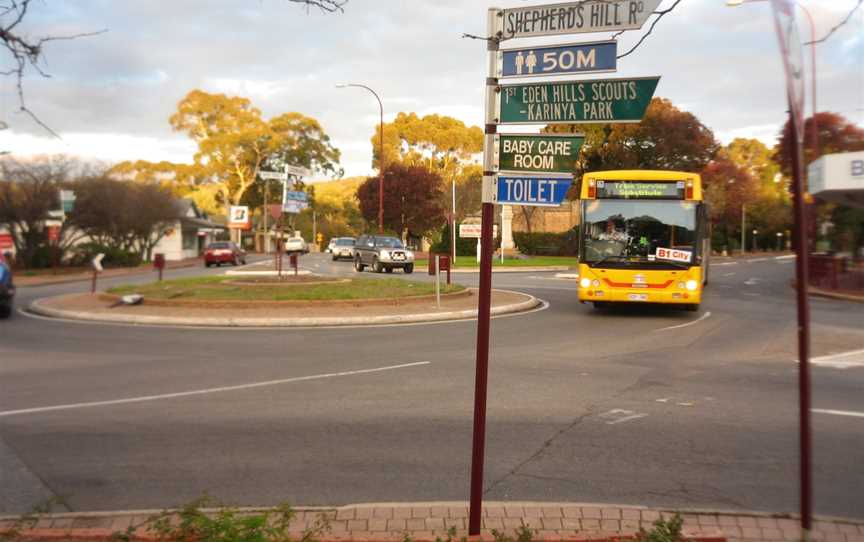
[[575, 102], [472, 231], [273, 175], [295, 201], [558, 59], [793, 63], [577, 17], [532, 189], [297, 171], [538, 153]]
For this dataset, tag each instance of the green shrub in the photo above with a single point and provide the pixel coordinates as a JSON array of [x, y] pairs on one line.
[[548, 243], [45, 256], [114, 257], [663, 531]]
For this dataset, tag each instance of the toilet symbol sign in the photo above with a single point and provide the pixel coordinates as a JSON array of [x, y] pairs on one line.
[[558, 60]]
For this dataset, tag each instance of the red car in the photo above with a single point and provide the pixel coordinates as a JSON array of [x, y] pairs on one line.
[[224, 252]]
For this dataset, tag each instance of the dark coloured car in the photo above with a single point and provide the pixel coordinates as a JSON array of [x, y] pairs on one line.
[[7, 288], [382, 253], [224, 252]]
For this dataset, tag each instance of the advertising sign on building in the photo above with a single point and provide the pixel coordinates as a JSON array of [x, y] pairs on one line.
[[238, 217]]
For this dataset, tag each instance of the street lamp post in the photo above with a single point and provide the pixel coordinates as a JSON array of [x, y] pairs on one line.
[[380, 152]]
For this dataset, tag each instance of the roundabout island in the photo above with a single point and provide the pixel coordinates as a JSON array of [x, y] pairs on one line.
[[303, 300]]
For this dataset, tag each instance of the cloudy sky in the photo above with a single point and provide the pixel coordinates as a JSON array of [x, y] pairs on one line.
[[110, 96]]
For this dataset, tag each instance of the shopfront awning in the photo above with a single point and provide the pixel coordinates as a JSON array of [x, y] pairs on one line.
[[838, 178]]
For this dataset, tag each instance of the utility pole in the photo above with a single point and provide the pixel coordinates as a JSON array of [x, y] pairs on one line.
[[453, 224], [743, 228]]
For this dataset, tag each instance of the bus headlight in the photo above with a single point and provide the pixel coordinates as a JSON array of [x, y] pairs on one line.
[[585, 283], [692, 285]]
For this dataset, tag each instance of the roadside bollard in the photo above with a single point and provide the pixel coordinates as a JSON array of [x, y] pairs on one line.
[[159, 264], [438, 280]]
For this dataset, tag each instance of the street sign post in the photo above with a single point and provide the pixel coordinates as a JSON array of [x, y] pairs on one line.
[[558, 59], [790, 50], [536, 153], [273, 175], [540, 190], [576, 17], [575, 102]]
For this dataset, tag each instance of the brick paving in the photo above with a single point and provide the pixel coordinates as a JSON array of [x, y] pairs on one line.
[[427, 521]]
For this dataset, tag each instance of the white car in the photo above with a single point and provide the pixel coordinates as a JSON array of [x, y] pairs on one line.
[[343, 247], [296, 244]]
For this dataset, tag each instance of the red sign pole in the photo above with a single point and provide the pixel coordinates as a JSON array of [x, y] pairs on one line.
[[801, 281], [484, 303]]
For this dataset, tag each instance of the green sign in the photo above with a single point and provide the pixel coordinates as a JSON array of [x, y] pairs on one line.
[[579, 102], [540, 153]]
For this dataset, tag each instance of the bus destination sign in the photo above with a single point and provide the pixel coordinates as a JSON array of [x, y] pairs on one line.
[[640, 190], [544, 153], [575, 102]]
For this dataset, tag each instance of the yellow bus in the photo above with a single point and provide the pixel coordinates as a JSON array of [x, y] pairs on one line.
[[644, 238]]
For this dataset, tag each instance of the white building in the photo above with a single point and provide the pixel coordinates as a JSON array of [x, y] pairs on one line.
[[192, 231]]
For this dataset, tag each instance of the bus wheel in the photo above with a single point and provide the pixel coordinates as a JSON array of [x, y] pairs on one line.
[[599, 305], [692, 307]]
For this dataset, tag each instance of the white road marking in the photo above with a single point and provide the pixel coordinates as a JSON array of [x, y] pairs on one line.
[[785, 262], [571, 276], [620, 416], [679, 326], [843, 360], [725, 263], [752, 281], [221, 389], [757, 260], [685, 403], [728, 274], [786, 257], [838, 412], [663, 400]]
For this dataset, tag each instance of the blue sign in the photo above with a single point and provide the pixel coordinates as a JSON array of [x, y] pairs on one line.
[[560, 59], [296, 196], [540, 190]]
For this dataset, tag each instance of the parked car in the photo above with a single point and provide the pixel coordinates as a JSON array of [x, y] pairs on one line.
[[343, 248], [382, 253], [224, 252], [296, 244], [331, 244], [7, 288]]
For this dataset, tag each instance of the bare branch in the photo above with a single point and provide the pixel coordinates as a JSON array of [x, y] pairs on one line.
[[26, 52], [329, 6], [660, 14], [844, 21]]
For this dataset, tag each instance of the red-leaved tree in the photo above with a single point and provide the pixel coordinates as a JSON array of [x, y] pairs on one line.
[[412, 199]]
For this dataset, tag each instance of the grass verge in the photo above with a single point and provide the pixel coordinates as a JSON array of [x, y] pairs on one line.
[[531, 261], [215, 289]]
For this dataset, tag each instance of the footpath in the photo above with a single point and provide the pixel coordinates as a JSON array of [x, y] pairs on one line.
[[420, 522]]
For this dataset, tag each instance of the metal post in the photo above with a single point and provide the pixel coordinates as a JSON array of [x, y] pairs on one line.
[[266, 239], [801, 279], [438, 280], [502, 235], [315, 227], [453, 225], [743, 228], [483, 304], [93, 286]]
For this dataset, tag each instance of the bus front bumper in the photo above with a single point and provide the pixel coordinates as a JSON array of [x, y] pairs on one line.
[[640, 295]]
